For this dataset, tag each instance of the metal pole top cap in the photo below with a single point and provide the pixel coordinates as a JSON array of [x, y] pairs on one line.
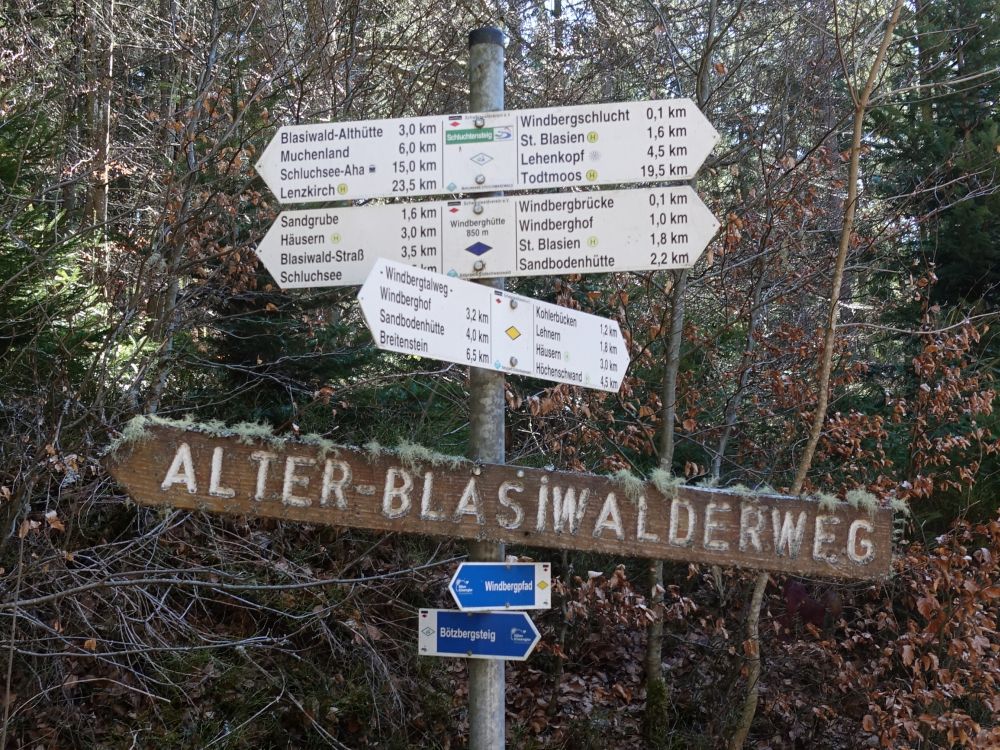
[[486, 35]]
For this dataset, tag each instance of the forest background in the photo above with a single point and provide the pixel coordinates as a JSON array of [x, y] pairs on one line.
[[129, 214]]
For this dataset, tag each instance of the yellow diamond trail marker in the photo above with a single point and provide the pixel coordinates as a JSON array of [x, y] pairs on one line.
[[419, 312]]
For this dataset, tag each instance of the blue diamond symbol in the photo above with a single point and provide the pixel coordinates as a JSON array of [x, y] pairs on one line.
[[451, 187], [496, 364], [478, 248], [453, 273]]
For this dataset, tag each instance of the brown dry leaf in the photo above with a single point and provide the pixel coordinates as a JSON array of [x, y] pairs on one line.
[[907, 654], [90, 644], [720, 68], [927, 605], [52, 519], [27, 525], [5, 492], [271, 307]]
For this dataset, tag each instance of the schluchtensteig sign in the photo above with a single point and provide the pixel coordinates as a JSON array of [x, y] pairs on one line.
[[529, 149], [349, 487]]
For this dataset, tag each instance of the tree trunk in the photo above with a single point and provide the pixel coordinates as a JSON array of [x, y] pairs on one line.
[[752, 643], [167, 323], [101, 43], [733, 405], [654, 722]]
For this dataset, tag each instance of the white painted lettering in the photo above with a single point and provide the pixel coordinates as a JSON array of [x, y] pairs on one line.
[[505, 501], [641, 534], [712, 525], [565, 511], [750, 531], [427, 513], [822, 536], [788, 533], [181, 470], [543, 503], [676, 505], [330, 485], [468, 505], [215, 479], [263, 459], [288, 497], [400, 492], [867, 553], [610, 518]]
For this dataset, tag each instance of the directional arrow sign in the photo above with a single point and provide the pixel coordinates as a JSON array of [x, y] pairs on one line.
[[477, 635], [495, 585], [414, 311], [590, 144], [528, 235]]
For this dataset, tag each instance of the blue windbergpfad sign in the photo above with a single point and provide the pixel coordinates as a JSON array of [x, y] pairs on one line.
[[488, 586]]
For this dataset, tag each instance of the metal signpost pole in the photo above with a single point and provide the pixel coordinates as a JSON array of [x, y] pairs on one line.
[[486, 418]]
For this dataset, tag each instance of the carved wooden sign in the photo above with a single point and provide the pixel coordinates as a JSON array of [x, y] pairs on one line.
[[409, 493]]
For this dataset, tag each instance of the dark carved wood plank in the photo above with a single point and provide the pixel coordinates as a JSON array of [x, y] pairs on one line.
[[350, 487]]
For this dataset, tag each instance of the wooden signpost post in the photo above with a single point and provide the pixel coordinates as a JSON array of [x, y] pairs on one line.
[[458, 498]]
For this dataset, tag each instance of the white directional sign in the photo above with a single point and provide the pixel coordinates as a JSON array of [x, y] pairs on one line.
[[554, 147], [414, 311], [528, 235]]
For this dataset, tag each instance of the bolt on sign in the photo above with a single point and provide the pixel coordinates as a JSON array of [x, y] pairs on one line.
[[453, 497]]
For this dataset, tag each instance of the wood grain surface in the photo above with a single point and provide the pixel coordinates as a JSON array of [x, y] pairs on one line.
[[536, 507]]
